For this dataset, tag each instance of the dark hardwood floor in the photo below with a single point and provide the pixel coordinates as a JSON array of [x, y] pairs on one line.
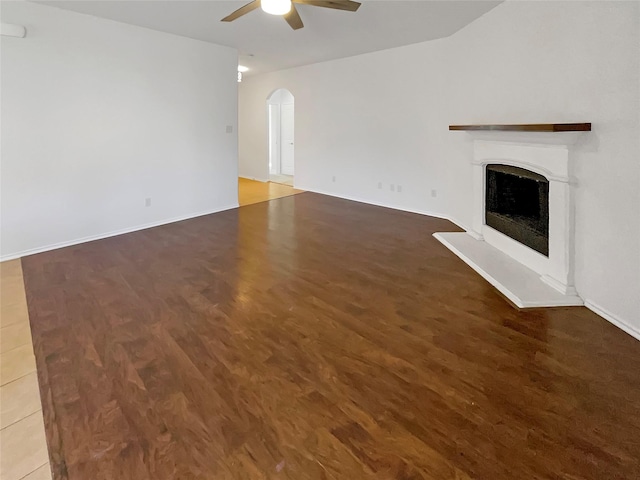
[[315, 338]]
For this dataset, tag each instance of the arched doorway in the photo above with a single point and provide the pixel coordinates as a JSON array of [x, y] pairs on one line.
[[280, 105]]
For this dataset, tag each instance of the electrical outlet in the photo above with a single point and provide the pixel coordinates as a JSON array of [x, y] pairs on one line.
[[147, 202], [392, 187], [399, 188], [229, 128], [434, 193], [379, 185], [333, 179]]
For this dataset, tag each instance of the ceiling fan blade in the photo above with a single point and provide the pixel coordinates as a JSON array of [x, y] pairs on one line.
[[348, 5], [293, 18], [249, 7]]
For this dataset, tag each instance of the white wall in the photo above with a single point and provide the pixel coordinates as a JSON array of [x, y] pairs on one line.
[[383, 117], [97, 116], [356, 121]]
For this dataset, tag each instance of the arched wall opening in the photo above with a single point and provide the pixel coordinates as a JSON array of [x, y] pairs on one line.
[[280, 111]]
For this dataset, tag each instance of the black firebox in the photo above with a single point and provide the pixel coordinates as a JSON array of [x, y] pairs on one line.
[[517, 204]]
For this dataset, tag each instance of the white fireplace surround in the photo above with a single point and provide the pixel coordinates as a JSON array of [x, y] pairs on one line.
[[552, 162], [545, 153]]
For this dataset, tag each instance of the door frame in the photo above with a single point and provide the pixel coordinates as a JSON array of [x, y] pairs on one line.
[[274, 130], [275, 138]]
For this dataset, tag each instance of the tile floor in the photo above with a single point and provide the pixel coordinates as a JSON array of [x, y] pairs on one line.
[[23, 446]]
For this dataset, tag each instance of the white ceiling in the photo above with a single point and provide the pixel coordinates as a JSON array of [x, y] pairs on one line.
[[266, 43]]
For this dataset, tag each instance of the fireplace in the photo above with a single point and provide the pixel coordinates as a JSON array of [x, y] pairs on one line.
[[521, 238], [517, 204]]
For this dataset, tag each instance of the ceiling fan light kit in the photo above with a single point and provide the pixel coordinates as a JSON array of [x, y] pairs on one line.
[[276, 7], [287, 10]]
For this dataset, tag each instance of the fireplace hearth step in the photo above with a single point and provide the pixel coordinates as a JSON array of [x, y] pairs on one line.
[[518, 283]]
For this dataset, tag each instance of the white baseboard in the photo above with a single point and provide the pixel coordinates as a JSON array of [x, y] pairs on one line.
[[380, 204], [610, 317], [91, 238], [613, 318]]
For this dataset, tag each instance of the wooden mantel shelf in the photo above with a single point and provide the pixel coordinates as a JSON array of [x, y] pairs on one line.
[[531, 127]]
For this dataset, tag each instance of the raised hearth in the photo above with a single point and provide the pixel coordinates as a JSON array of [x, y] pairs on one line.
[[521, 285]]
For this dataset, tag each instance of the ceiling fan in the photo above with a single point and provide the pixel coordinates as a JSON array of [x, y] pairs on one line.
[[287, 9]]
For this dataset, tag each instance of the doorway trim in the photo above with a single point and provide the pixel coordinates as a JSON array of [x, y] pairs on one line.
[[277, 132]]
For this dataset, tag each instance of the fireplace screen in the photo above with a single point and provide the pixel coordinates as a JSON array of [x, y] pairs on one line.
[[517, 204]]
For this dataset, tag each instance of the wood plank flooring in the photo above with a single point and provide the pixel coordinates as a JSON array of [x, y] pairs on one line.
[[311, 337]]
